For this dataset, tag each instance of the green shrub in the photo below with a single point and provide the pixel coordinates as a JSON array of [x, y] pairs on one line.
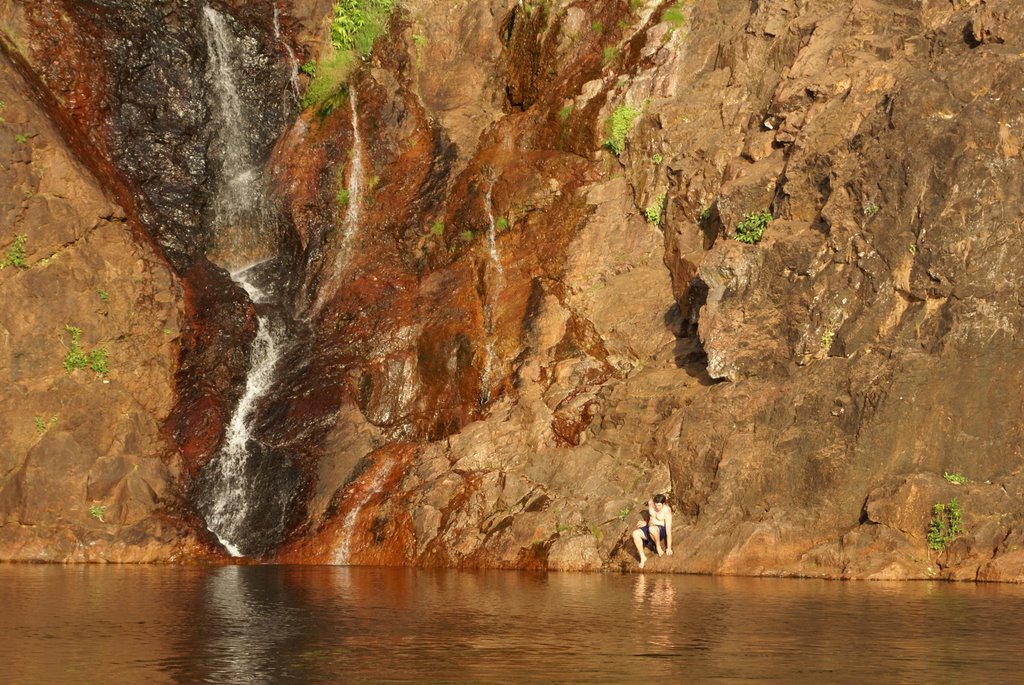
[[751, 229], [437, 229], [955, 478], [674, 16], [501, 224], [564, 113], [653, 212], [618, 126], [331, 73], [16, 254], [97, 511], [98, 360], [309, 68], [946, 525], [357, 23], [76, 358]]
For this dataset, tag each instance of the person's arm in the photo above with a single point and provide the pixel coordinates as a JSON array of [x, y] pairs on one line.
[[668, 530]]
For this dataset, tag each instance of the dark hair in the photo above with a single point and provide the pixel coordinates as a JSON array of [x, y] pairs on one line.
[[659, 499]]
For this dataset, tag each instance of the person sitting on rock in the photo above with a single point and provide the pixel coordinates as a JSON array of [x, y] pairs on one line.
[[657, 529]]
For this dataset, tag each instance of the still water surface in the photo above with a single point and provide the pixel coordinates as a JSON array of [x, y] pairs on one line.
[[113, 625]]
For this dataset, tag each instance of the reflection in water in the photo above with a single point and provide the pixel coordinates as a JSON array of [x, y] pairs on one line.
[[266, 624]]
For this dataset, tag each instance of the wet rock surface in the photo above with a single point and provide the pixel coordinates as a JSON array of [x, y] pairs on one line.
[[526, 334]]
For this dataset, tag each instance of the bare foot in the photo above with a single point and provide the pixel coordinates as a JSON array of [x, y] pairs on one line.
[[661, 552], [643, 560]]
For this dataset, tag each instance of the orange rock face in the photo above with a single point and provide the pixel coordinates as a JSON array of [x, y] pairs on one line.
[[513, 301]]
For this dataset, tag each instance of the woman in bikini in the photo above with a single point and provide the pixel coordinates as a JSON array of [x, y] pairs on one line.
[[657, 529]]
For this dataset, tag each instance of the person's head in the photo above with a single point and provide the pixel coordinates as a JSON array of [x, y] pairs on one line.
[[658, 500]]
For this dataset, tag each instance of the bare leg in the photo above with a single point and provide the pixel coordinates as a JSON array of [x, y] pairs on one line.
[[638, 540], [656, 534]]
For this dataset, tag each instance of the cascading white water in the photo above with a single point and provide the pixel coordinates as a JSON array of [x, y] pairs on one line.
[[494, 289], [350, 224], [241, 209], [232, 488], [293, 63]]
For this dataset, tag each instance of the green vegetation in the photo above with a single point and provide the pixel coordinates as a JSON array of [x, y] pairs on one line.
[[42, 424], [653, 212], [437, 229], [827, 336], [946, 525], [751, 229], [328, 77], [564, 113], [2, 105], [912, 249], [103, 294], [656, 158], [597, 27], [97, 511], [955, 478], [21, 138], [98, 359], [501, 224], [705, 214], [357, 23], [870, 209], [609, 55], [618, 126], [419, 40], [467, 235], [16, 254], [624, 512], [342, 198], [674, 16], [76, 358]]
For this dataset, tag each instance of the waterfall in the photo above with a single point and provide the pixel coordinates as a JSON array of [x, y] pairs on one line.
[[293, 63], [241, 211], [354, 198], [233, 489], [494, 289], [237, 502]]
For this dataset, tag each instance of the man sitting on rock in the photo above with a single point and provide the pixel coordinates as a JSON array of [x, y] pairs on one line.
[[657, 529]]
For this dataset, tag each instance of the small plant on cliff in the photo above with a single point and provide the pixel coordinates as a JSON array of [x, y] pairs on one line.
[[2, 105], [309, 68], [97, 511], [103, 294], [437, 229], [955, 478], [357, 23], [76, 358], [501, 224], [653, 212], [870, 209], [564, 113], [656, 158], [42, 424], [751, 229], [16, 254], [330, 74], [21, 139], [618, 126], [675, 16], [946, 525]]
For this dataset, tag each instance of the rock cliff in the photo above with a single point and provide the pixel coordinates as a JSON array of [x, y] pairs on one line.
[[502, 254]]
